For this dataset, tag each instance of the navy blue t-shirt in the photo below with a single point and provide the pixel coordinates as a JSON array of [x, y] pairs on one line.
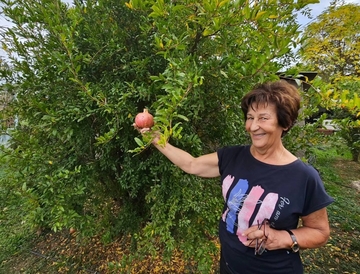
[[253, 191]]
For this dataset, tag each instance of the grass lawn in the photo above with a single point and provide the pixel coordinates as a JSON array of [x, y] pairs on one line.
[[342, 181], [22, 251]]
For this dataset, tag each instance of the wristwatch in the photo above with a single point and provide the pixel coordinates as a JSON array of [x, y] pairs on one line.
[[295, 246]]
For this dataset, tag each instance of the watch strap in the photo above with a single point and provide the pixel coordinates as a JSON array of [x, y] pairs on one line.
[[291, 234], [295, 246]]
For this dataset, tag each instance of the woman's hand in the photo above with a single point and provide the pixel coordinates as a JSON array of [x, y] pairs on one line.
[[152, 135], [313, 233], [274, 239]]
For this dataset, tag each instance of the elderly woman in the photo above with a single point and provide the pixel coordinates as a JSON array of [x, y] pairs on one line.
[[266, 188]]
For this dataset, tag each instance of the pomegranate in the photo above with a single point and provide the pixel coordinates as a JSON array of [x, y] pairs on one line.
[[144, 119]]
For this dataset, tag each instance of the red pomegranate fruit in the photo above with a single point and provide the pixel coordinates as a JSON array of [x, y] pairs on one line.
[[144, 119]]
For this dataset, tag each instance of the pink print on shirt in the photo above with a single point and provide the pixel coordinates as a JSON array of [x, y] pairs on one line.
[[247, 211], [267, 208], [241, 207], [227, 182]]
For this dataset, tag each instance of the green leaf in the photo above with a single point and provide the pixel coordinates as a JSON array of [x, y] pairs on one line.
[[139, 141], [259, 14], [207, 32], [224, 73], [182, 117], [223, 3]]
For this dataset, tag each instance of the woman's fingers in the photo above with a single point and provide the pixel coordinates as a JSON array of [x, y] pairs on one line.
[[144, 130], [252, 237], [141, 130], [253, 233], [154, 135]]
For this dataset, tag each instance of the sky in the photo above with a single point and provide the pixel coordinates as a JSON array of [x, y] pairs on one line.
[[316, 9]]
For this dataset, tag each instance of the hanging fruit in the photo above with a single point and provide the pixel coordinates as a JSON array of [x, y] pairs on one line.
[[144, 119]]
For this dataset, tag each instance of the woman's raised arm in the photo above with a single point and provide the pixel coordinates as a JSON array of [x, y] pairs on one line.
[[203, 166]]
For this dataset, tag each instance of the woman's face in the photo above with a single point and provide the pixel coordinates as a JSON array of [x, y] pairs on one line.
[[262, 125]]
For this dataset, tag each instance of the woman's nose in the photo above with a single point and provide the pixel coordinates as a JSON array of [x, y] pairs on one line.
[[254, 125]]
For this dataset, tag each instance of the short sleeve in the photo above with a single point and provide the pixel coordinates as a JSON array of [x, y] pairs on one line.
[[316, 196], [227, 156]]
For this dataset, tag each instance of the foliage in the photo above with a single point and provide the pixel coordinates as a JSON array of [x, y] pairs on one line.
[[80, 74], [343, 103], [14, 234], [332, 45], [348, 112], [332, 48], [61, 253]]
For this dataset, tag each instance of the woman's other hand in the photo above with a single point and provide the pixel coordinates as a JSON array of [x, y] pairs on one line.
[[274, 239]]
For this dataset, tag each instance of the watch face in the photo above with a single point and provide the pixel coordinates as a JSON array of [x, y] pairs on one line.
[[295, 247]]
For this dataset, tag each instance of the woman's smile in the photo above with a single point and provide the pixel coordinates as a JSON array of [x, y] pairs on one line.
[[263, 127], [257, 136]]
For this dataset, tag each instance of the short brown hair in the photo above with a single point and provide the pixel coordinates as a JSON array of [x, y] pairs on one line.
[[283, 95]]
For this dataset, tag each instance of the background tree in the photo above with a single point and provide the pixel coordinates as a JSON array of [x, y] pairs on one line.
[[6, 121], [333, 44], [80, 75], [342, 101], [333, 49]]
